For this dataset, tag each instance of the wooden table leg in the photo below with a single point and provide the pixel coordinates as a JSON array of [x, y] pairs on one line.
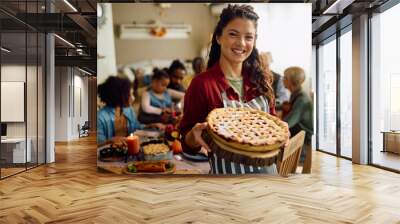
[[308, 159]]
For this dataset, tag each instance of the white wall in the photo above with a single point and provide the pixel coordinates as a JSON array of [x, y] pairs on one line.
[[61, 103], [197, 15], [284, 29], [11, 73], [105, 47], [80, 83], [70, 84], [14, 73]]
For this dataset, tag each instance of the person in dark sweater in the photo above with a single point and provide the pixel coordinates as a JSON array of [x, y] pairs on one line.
[[177, 72], [300, 114]]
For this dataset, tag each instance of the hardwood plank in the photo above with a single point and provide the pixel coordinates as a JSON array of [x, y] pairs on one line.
[[73, 191]]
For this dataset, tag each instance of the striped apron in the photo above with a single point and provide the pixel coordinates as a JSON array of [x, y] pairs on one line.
[[221, 165]]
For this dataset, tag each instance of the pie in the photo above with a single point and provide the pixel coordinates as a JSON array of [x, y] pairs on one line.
[[247, 129]]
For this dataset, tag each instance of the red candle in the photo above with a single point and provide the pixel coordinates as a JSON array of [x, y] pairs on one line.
[[133, 144]]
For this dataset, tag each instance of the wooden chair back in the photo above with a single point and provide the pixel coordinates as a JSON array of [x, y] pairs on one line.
[[291, 155]]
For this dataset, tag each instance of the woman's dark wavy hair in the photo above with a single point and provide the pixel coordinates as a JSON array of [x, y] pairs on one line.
[[261, 78], [115, 91]]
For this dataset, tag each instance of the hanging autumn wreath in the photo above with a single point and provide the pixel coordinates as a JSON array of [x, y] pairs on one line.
[[158, 31]]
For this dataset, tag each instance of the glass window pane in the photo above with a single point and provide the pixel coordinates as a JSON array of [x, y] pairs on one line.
[[31, 84], [31, 97], [13, 85], [22, 87], [346, 94], [41, 98], [327, 97], [386, 88]]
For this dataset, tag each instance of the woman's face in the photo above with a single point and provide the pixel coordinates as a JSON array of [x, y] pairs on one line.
[[237, 40], [159, 86]]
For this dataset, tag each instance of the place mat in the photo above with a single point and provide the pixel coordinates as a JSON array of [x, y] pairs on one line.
[[183, 165]]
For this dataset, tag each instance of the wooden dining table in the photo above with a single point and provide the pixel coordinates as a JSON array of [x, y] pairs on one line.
[[183, 166]]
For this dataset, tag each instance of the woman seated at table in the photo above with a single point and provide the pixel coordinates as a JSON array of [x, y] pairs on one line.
[[157, 102], [117, 118]]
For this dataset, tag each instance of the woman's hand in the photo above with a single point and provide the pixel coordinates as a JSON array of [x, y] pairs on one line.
[[204, 151], [160, 126], [193, 138], [287, 140], [165, 118], [286, 107], [166, 110]]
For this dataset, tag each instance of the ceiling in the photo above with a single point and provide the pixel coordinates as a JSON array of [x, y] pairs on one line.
[[329, 16], [72, 20]]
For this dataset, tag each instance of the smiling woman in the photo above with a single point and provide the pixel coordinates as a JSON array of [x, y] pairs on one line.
[[234, 79]]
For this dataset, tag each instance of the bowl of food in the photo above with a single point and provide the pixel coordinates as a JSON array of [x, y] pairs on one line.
[[156, 150]]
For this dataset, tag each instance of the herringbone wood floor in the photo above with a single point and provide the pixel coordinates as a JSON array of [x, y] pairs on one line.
[[72, 191]]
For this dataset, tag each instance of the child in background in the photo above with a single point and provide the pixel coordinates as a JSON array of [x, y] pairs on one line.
[[157, 105], [117, 119]]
